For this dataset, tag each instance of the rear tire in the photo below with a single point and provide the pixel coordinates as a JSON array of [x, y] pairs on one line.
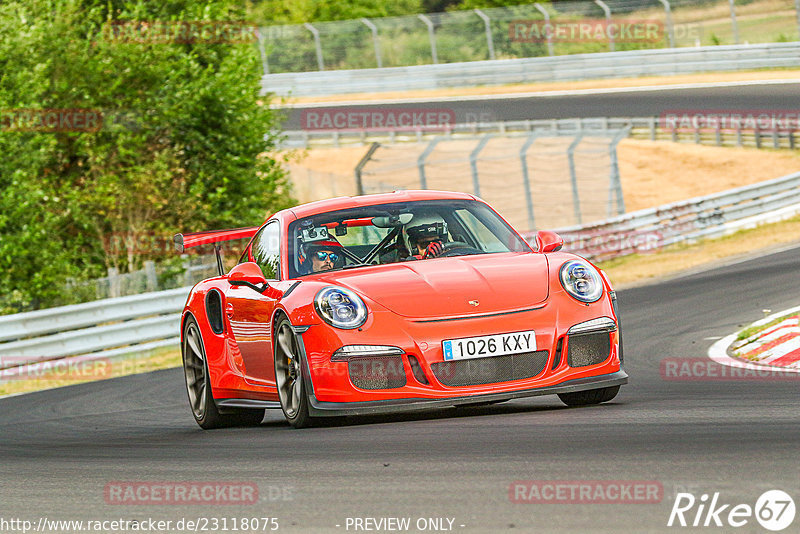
[[198, 386], [590, 396]]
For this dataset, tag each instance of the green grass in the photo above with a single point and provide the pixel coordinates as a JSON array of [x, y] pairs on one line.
[[751, 331]]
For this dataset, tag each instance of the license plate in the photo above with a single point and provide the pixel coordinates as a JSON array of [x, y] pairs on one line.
[[486, 346]]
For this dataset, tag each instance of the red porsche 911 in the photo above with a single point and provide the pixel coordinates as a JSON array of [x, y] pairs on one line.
[[389, 302]]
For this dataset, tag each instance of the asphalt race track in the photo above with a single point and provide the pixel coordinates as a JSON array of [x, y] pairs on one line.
[[59, 448], [623, 103]]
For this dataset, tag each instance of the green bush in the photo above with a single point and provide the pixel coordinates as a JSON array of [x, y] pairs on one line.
[[181, 147]]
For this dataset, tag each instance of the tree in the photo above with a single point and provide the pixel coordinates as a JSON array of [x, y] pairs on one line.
[[180, 147]]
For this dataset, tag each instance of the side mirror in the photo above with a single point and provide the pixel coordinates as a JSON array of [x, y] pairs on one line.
[[548, 241], [248, 274]]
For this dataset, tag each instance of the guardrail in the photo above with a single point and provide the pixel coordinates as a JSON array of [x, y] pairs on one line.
[[635, 63], [640, 128], [99, 329], [701, 217], [336, 138]]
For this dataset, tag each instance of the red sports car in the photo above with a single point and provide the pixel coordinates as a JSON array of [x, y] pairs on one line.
[[401, 301]]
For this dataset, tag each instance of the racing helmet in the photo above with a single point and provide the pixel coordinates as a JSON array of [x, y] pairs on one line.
[[308, 250], [424, 226]]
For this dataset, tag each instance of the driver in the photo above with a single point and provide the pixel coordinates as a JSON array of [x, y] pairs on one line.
[[426, 236], [325, 255]]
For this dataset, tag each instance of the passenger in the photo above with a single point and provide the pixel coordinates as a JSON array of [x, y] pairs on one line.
[[426, 236]]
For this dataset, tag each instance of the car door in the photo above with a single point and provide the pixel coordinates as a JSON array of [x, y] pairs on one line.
[[249, 311]]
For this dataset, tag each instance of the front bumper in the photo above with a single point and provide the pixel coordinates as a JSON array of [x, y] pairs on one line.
[[421, 341], [321, 408]]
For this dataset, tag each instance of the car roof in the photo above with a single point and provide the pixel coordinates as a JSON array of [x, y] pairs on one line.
[[340, 203]]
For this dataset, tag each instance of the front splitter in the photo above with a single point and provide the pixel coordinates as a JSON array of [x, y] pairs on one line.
[[322, 408]]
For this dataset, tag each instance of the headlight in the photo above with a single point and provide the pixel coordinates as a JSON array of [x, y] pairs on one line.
[[340, 307], [581, 281]]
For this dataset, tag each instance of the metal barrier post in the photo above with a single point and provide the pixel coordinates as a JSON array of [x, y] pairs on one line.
[[670, 26], [431, 37], [374, 29], [615, 184], [423, 181], [549, 30], [523, 157], [187, 270], [262, 50], [317, 45], [150, 274], [576, 201], [361, 164], [487, 25], [607, 11], [797, 14], [113, 282], [473, 163], [733, 22]]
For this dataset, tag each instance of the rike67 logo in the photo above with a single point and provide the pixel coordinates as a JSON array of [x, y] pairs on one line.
[[774, 510]]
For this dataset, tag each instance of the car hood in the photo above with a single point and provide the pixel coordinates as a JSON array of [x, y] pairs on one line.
[[445, 287]]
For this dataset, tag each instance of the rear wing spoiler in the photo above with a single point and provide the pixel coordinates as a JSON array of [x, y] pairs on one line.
[[195, 239], [184, 241]]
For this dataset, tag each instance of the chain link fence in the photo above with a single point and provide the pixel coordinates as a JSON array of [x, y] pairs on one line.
[[531, 30], [538, 180], [154, 277]]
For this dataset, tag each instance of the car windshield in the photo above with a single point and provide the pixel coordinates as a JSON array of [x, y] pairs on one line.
[[391, 233]]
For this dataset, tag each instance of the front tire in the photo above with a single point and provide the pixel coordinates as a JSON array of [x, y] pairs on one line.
[[588, 397], [198, 386], [289, 376]]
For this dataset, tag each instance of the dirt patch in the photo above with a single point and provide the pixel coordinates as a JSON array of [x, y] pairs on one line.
[[659, 172]]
